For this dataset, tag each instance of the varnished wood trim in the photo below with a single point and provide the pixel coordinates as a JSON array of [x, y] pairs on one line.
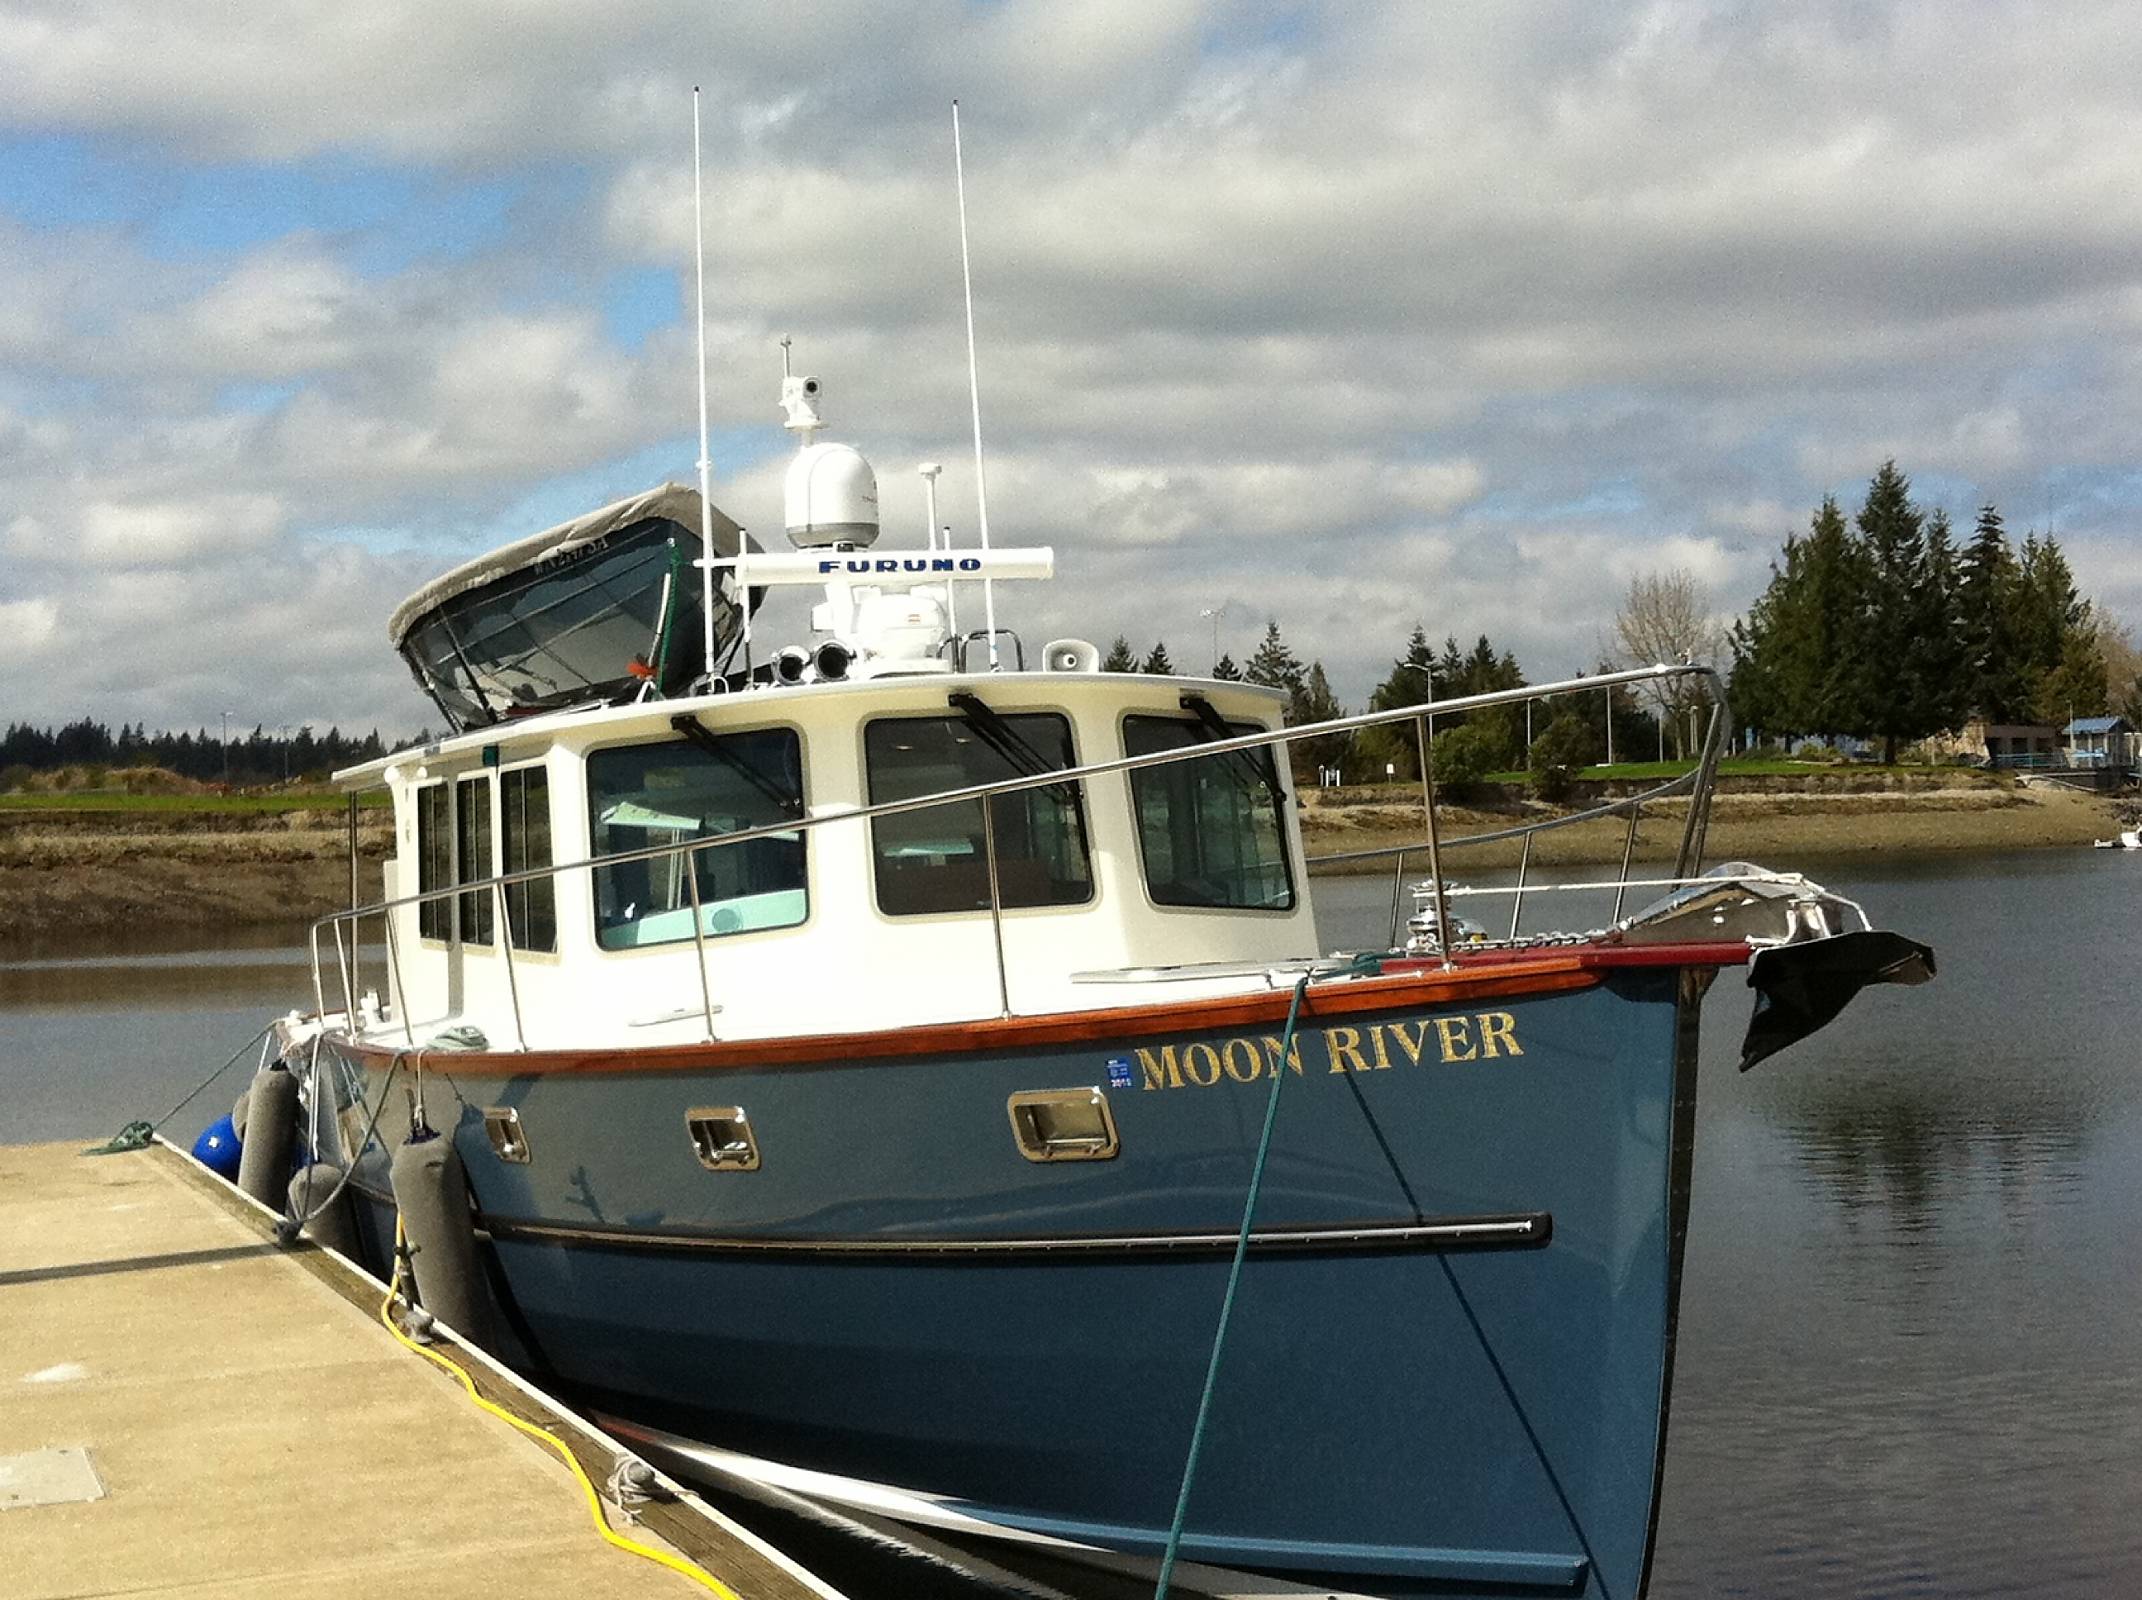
[[1559, 973]]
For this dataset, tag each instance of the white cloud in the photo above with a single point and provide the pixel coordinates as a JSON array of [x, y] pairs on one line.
[[1349, 317], [27, 627], [285, 313], [147, 534]]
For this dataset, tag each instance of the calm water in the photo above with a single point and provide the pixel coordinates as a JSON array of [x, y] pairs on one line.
[[1911, 1337]]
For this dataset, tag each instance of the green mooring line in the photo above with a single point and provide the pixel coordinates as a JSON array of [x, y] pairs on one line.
[[1359, 965]]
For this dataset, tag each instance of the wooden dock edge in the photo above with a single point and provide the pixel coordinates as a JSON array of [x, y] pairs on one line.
[[218, 1456], [702, 1533]]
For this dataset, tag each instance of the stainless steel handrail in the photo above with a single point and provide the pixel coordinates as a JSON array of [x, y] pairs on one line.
[[1697, 781]]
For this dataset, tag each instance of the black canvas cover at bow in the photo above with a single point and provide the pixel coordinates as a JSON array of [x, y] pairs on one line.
[[1801, 987]]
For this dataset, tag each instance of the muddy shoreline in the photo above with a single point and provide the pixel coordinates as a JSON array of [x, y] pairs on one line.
[[69, 875], [1769, 827]]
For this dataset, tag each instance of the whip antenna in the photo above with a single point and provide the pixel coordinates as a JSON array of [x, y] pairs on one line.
[[706, 561], [974, 391]]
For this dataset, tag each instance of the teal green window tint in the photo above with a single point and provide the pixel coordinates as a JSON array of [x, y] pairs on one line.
[[646, 795]]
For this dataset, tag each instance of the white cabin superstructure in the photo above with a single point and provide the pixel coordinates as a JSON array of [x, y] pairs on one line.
[[851, 927], [1055, 897]]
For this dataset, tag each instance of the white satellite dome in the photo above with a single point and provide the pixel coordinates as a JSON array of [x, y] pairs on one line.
[[831, 497]]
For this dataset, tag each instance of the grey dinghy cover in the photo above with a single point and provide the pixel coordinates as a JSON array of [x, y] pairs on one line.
[[588, 611]]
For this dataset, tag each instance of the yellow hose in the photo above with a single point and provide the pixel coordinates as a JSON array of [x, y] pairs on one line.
[[704, 1579]]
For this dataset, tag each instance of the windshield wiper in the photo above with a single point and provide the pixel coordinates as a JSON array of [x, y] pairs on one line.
[[1214, 727], [694, 730], [1004, 739]]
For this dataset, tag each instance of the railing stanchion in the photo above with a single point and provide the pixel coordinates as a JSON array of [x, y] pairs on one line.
[[1435, 854], [996, 903], [319, 995], [342, 968], [1628, 854], [1517, 901], [513, 982], [1689, 863], [399, 995], [699, 937], [1695, 782]]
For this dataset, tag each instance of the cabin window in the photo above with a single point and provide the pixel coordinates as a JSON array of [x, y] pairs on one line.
[[472, 856], [648, 795], [934, 861], [435, 859], [1210, 829], [524, 840]]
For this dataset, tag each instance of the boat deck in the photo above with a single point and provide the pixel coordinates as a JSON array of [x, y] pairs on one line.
[[250, 1429]]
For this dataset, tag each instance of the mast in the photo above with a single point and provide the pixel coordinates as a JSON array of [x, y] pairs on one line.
[[706, 465], [974, 391]]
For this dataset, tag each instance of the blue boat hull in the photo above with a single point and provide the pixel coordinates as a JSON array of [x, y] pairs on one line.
[[1449, 1359]]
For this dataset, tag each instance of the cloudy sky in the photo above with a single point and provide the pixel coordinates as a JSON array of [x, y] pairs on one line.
[[1346, 315]]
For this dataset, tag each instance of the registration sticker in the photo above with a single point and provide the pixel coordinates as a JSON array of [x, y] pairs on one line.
[[1119, 1072]]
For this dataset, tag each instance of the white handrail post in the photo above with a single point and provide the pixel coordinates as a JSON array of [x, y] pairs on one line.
[[1435, 855], [513, 982], [690, 859], [394, 978], [996, 902]]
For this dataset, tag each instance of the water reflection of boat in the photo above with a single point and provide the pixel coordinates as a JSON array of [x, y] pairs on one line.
[[873, 1055]]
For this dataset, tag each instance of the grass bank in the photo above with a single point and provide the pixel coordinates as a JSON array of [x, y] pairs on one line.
[[70, 871]]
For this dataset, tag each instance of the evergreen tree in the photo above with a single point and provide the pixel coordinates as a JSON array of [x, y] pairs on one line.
[[1449, 670], [1119, 657], [1411, 683], [1226, 671], [1412, 678], [1986, 585], [2062, 665], [1943, 661], [1158, 662], [1797, 653], [1314, 702], [1274, 665], [1483, 671], [1901, 604], [2076, 687]]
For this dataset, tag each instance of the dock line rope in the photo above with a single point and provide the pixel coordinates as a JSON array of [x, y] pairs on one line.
[[136, 1135], [706, 1580], [1362, 965], [292, 1224]]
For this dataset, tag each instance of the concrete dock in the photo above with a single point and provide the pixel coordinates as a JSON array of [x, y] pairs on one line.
[[249, 1429]]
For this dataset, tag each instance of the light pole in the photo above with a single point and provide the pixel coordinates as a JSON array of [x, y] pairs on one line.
[[1213, 614], [226, 743]]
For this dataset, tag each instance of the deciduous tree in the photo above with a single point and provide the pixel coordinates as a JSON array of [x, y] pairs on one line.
[[1665, 618]]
